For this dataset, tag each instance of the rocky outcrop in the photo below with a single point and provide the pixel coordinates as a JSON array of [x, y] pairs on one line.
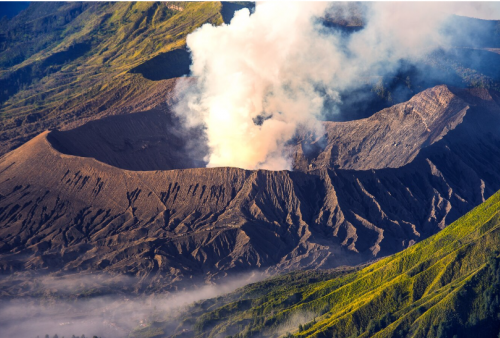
[[61, 212], [389, 139]]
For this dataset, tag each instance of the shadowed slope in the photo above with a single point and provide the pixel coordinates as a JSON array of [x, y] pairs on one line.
[[165, 66], [151, 140]]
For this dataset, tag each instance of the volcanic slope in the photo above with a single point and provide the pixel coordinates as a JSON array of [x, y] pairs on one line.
[[61, 212], [394, 136], [62, 64], [444, 286]]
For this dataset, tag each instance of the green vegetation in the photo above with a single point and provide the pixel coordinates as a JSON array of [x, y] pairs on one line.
[[65, 61], [445, 286]]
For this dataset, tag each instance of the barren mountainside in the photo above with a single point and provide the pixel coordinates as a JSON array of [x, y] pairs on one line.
[[392, 137], [63, 212]]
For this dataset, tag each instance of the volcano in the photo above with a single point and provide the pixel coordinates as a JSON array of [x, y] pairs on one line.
[[98, 197]]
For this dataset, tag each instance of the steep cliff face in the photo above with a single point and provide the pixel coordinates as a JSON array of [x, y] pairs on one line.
[[61, 212]]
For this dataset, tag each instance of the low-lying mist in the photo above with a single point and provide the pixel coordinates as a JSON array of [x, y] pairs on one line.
[[94, 304], [281, 69]]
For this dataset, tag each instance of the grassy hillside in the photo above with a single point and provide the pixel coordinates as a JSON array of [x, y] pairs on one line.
[[445, 286], [61, 62]]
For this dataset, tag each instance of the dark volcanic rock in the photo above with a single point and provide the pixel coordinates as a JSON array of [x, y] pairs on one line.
[[60, 212]]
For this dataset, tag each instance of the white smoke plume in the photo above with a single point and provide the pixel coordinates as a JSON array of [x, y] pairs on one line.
[[267, 75]]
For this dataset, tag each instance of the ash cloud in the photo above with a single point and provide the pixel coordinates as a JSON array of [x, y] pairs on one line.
[[94, 305], [269, 74]]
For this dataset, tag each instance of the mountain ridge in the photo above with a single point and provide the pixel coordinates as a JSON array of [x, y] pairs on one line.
[[106, 207], [170, 226], [361, 145]]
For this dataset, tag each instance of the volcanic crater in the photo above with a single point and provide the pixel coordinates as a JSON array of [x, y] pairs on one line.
[[111, 202]]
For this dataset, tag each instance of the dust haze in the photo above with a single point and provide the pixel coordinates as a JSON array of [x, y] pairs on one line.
[[95, 304], [278, 70]]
